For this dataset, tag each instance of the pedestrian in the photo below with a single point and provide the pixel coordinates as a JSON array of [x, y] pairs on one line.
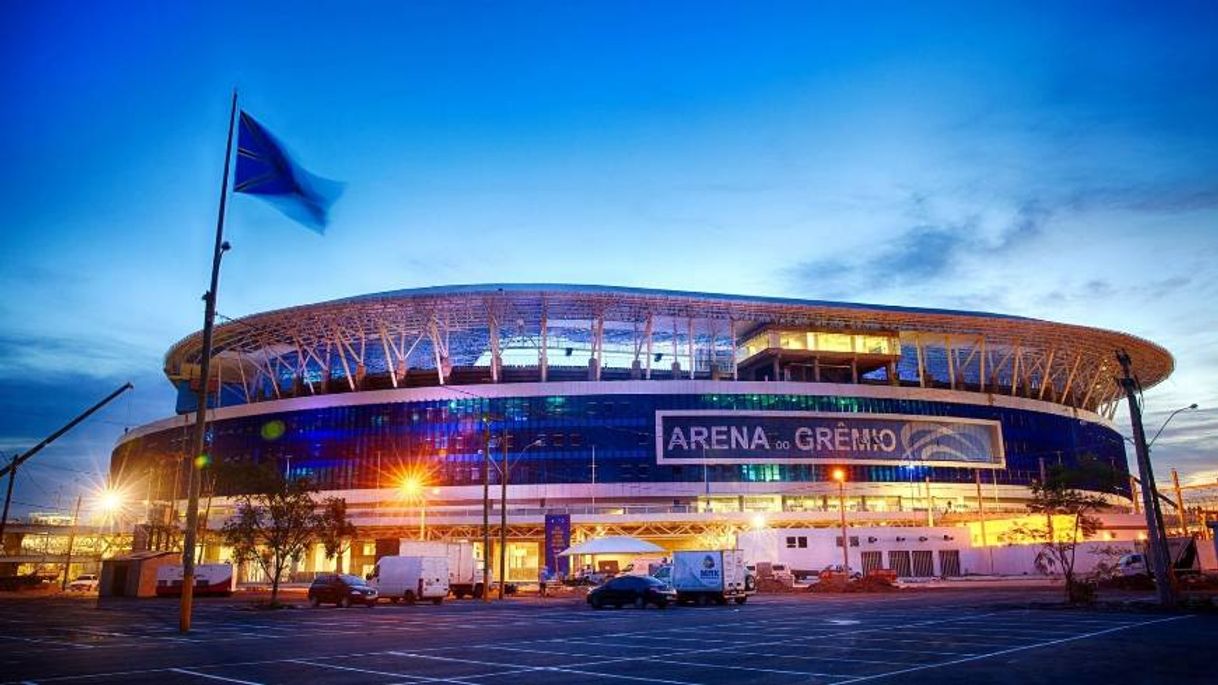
[[543, 576]]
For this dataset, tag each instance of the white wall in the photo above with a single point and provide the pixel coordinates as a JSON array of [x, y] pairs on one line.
[[822, 550]]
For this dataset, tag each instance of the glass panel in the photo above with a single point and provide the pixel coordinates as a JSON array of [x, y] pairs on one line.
[[834, 342]]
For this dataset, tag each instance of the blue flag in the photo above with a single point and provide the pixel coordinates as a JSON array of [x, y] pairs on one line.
[[264, 168]]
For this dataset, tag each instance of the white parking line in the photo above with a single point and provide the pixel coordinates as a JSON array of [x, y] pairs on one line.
[[978, 657], [209, 676], [353, 669]]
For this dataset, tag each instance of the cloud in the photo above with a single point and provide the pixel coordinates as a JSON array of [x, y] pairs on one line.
[[931, 250], [25, 355]]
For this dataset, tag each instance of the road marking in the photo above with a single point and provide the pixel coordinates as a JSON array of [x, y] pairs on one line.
[[978, 657], [221, 678], [752, 668], [848, 659], [417, 678], [46, 642]]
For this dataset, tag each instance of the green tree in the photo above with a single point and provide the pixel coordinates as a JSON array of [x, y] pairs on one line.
[[335, 530], [275, 523], [1060, 494]]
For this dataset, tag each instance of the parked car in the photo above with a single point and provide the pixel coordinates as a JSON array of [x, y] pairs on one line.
[[342, 590], [85, 582], [636, 590]]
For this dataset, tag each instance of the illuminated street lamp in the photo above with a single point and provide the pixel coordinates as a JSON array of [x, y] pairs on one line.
[[839, 475], [415, 489]]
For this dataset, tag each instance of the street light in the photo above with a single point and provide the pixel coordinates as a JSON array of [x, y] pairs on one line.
[[1169, 418], [503, 483], [414, 488], [839, 475]]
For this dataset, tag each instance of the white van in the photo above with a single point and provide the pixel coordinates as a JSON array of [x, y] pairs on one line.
[[411, 579]]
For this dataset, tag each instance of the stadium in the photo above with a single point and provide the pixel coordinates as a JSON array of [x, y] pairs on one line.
[[681, 418]]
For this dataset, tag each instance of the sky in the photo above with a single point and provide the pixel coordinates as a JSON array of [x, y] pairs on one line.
[[1052, 160]]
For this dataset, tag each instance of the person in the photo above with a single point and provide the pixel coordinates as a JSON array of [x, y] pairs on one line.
[[543, 577]]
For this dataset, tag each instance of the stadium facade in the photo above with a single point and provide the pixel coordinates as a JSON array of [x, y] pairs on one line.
[[674, 416]]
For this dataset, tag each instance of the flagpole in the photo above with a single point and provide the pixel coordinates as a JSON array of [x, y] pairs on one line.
[[200, 427]]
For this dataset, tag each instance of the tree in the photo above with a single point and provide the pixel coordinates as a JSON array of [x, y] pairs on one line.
[[1058, 495], [275, 523], [335, 530]]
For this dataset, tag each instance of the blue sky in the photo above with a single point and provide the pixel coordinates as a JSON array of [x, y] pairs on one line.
[[1042, 159]]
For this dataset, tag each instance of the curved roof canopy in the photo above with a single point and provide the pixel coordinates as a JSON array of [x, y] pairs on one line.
[[501, 326]]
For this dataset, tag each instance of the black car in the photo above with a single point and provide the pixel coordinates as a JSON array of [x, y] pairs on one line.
[[637, 590], [342, 590]]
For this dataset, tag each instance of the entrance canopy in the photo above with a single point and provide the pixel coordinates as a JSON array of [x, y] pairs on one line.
[[614, 544]]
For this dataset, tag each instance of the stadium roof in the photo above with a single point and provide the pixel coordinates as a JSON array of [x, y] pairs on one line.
[[463, 326]]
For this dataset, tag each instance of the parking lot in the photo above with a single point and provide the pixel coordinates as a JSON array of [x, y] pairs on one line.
[[929, 636]]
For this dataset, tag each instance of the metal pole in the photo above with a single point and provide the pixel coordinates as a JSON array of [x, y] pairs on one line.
[[197, 463], [930, 506], [1150, 503], [486, 509], [841, 505], [1175, 482], [22, 458], [8, 497], [981, 512], [503, 480], [423, 518], [67, 562]]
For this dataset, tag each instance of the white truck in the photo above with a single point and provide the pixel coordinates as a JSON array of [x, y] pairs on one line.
[[464, 571], [411, 578], [707, 576]]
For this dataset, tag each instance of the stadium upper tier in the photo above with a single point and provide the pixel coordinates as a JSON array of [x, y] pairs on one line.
[[536, 333]]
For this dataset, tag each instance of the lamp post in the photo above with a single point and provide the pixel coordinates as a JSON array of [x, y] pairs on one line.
[[415, 488], [503, 482], [839, 475]]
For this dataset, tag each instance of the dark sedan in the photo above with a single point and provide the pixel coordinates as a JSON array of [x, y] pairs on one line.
[[342, 590], [638, 591]]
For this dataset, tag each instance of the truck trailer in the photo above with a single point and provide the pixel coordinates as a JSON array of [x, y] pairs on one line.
[[464, 571], [706, 576]]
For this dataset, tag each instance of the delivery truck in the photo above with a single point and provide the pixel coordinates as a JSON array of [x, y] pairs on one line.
[[706, 576], [464, 571], [411, 578]]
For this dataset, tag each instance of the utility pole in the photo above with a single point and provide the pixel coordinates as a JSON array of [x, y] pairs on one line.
[[503, 481], [1150, 503], [486, 508], [67, 562]]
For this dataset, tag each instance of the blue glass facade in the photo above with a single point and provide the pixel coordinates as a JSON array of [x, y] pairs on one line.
[[347, 447]]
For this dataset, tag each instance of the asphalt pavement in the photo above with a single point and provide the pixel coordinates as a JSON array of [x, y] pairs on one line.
[[973, 636]]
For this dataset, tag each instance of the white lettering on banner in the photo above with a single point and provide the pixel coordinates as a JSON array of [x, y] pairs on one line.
[[740, 437], [760, 439], [678, 438], [803, 439], [789, 437], [824, 439], [697, 437]]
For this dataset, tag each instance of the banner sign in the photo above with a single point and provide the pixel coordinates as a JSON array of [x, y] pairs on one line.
[[698, 437], [558, 538]]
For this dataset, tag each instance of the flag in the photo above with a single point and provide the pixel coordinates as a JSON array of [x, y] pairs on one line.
[[265, 169]]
